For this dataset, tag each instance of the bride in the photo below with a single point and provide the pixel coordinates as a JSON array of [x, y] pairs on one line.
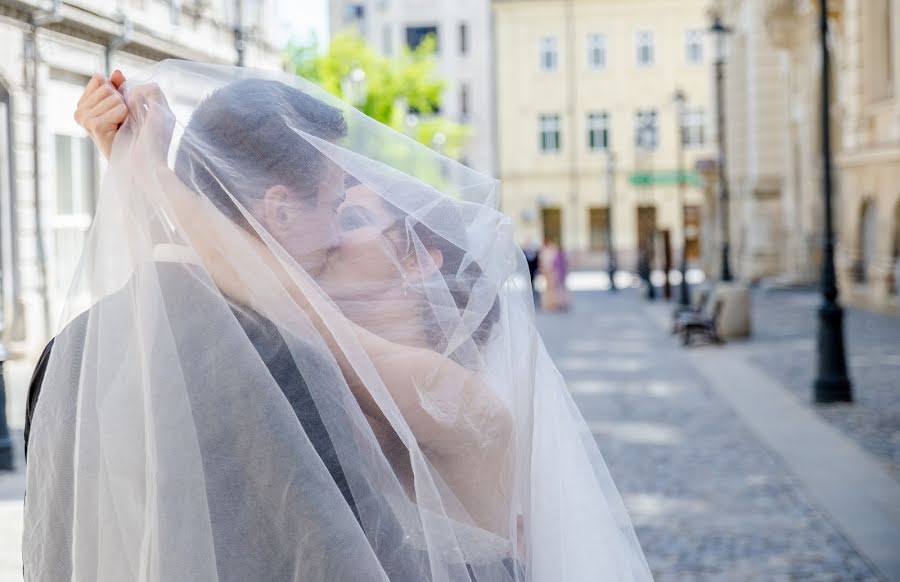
[[288, 356]]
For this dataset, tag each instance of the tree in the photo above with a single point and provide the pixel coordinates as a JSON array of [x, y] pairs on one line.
[[395, 87]]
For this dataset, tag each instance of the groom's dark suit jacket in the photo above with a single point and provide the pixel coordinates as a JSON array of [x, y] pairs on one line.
[[245, 548]]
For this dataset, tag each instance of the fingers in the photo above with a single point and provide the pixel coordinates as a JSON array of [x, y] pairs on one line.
[[87, 116], [89, 89], [100, 93], [114, 117], [117, 79], [95, 116]]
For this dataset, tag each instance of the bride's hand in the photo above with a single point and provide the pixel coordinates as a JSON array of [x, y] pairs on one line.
[[101, 110], [151, 119]]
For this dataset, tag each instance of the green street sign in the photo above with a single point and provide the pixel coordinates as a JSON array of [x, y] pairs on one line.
[[664, 178]]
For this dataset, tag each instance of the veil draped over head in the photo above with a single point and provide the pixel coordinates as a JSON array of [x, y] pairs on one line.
[[300, 346]]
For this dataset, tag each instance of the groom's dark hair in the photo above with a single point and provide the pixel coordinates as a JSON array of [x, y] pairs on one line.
[[242, 140]]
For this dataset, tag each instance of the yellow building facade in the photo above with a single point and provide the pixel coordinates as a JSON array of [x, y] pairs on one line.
[[586, 114]]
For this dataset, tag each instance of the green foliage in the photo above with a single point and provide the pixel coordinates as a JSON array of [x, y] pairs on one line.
[[409, 78]]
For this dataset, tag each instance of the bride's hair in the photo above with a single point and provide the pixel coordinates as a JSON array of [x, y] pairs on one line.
[[459, 272], [246, 132]]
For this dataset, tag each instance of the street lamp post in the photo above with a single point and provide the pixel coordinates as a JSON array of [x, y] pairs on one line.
[[611, 193], [720, 31], [684, 296], [832, 383], [240, 42]]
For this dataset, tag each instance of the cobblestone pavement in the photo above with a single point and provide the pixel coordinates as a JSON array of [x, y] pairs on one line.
[[784, 341], [708, 501]]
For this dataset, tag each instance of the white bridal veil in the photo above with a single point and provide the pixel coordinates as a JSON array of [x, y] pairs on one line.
[[301, 347]]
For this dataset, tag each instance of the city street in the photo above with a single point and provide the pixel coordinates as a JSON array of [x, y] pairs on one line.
[[710, 498]]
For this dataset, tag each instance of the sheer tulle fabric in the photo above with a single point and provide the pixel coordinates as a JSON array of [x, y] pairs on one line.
[[300, 346]]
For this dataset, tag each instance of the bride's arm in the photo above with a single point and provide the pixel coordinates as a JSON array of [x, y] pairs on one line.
[[447, 407]]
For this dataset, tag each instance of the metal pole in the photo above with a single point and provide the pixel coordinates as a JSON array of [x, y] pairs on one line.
[[720, 31], [832, 383], [611, 193], [684, 296], [240, 44], [6, 446], [33, 50]]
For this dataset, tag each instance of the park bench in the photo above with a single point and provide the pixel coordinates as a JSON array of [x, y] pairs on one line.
[[702, 323], [682, 314]]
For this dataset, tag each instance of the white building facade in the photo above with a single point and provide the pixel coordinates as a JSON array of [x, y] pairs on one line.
[[49, 170]]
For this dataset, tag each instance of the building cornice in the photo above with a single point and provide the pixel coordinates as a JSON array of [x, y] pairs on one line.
[[887, 154], [102, 29]]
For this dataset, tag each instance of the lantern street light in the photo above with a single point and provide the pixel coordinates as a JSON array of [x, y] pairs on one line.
[[720, 31], [684, 297], [832, 382]]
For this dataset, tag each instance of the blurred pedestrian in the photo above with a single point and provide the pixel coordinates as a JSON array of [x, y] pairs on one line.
[[554, 266]]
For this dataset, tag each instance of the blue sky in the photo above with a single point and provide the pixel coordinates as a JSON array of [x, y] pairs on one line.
[[299, 19]]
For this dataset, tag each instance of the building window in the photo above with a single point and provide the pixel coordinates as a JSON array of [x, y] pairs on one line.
[[646, 52], [75, 166], [598, 225], [76, 176], [549, 129], [693, 128], [646, 135], [596, 51], [878, 49], [463, 38], [354, 12], [464, 101], [416, 34], [693, 47], [598, 131], [549, 54]]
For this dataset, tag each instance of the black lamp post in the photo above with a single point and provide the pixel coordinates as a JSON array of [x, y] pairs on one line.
[[832, 382], [240, 42], [720, 31], [684, 294], [610, 192]]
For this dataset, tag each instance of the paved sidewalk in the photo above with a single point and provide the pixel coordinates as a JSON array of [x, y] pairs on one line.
[[783, 345], [709, 500]]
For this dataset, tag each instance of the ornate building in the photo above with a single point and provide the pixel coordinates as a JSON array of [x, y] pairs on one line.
[[49, 170], [868, 108], [775, 139]]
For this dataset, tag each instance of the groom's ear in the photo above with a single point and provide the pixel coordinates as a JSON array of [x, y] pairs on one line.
[[415, 268], [277, 210]]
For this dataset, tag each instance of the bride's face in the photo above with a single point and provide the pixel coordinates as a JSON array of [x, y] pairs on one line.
[[372, 253]]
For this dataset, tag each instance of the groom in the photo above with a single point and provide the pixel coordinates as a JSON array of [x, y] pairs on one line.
[[293, 194]]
